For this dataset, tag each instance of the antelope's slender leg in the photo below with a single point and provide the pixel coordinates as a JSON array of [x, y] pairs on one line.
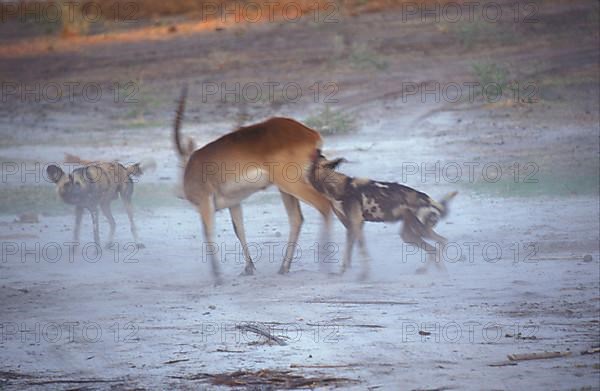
[[207, 213], [292, 207], [304, 191], [238, 226]]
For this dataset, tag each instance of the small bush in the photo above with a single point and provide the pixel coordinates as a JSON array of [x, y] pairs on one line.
[[488, 73], [362, 57], [330, 122], [481, 31]]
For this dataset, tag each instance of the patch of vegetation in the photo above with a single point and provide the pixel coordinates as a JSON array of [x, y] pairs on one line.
[[363, 57], [330, 122], [490, 73], [140, 99], [35, 199], [493, 81], [471, 33], [42, 199], [562, 185], [73, 22]]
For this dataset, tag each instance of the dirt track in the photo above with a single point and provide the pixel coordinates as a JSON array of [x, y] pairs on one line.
[[163, 308]]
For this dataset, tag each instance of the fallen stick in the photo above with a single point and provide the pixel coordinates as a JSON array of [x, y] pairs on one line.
[[537, 356], [360, 302], [366, 326], [591, 351], [229, 351], [324, 366], [502, 364], [73, 381], [176, 361], [266, 334]]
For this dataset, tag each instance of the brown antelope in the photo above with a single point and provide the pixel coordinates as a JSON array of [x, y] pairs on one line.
[[356, 200], [226, 171]]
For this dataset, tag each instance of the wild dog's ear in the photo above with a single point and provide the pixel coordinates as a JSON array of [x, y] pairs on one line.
[[315, 155], [54, 173], [332, 164], [92, 174]]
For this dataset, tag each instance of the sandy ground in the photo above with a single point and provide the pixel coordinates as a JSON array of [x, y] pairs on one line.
[[516, 279]]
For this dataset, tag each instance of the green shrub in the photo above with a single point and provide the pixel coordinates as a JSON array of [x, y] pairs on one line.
[[330, 122]]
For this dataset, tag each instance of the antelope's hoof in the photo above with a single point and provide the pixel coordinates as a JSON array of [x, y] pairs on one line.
[[140, 245], [218, 280], [421, 270], [282, 270], [249, 270], [364, 276]]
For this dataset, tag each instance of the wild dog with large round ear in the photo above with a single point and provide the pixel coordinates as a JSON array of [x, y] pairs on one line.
[[97, 185], [356, 200]]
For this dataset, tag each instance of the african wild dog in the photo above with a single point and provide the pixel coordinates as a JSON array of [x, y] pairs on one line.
[[356, 200], [97, 184]]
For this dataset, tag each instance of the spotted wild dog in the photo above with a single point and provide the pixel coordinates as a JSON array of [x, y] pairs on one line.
[[223, 173], [356, 200], [97, 184]]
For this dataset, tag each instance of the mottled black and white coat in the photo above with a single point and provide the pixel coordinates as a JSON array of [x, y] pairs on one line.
[[356, 200], [98, 184]]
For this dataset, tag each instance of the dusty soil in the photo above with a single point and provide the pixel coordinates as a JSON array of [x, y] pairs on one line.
[[516, 279]]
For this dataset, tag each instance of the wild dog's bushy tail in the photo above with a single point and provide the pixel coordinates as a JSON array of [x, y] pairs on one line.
[[445, 201], [143, 167], [183, 151]]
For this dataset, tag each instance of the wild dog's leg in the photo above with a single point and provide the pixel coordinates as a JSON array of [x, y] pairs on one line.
[[409, 236], [238, 227], [324, 244], [363, 252], [431, 234], [442, 241], [78, 216], [129, 210], [350, 238], [94, 213], [292, 207], [207, 213], [111, 221]]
